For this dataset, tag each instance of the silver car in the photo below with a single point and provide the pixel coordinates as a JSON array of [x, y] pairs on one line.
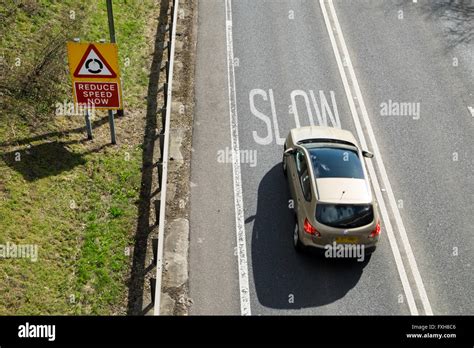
[[329, 185]]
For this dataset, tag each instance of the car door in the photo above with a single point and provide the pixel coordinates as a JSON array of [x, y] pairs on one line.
[[292, 175], [302, 183]]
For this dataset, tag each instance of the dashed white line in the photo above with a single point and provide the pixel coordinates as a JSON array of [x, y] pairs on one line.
[[238, 200]]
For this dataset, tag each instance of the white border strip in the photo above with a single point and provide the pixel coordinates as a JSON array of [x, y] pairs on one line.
[[164, 177], [360, 134], [238, 200], [383, 172]]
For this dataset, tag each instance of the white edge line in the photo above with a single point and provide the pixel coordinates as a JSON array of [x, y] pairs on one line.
[[164, 177], [360, 134], [383, 172], [238, 200]]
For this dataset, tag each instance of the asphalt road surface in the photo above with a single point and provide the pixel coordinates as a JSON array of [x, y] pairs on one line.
[[399, 75]]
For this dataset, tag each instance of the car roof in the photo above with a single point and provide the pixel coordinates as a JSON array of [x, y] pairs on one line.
[[322, 133], [329, 190], [348, 184], [343, 191]]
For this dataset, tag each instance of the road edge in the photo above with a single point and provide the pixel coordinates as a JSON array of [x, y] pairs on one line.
[[175, 288]]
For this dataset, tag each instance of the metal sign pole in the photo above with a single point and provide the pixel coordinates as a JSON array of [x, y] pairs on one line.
[[110, 16], [86, 114], [88, 125]]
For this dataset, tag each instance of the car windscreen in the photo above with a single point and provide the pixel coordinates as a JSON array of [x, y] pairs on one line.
[[344, 215], [332, 162]]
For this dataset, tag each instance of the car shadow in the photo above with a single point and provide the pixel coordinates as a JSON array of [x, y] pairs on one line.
[[283, 278]]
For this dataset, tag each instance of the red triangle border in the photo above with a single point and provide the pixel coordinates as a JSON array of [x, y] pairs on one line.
[[83, 59]]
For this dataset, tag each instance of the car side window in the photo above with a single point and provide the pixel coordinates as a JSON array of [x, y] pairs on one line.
[[299, 159], [306, 185], [303, 175]]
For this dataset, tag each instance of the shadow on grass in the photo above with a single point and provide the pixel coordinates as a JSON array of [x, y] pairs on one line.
[[25, 141], [44, 160], [139, 268]]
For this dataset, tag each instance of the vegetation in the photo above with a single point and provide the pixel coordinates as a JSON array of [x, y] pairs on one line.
[[75, 199]]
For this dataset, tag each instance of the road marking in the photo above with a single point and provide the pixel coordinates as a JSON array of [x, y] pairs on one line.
[[258, 139], [322, 113], [238, 200], [378, 158], [388, 226]]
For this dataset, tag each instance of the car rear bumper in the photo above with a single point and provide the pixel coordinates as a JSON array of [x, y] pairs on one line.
[[331, 245]]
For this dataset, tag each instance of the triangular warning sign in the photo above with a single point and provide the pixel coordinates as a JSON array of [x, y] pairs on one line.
[[93, 64]]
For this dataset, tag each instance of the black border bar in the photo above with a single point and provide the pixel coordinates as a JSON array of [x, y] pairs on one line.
[[156, 330]]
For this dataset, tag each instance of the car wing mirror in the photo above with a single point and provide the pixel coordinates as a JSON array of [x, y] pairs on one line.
[[367, 154], [289, 151]]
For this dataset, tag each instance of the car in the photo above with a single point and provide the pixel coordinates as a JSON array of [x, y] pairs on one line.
[[328, 182]]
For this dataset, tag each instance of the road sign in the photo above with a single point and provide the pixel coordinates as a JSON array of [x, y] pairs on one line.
[[93, 64], [105, 94], [95, 74]]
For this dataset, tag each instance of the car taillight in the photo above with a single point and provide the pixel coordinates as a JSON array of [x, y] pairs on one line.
[[308, 228], [376, 231]]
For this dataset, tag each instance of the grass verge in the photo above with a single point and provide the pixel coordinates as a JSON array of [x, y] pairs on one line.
[[75, 199]]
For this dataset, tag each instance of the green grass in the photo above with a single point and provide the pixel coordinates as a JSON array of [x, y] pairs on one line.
[[82, 225], [76, 201]]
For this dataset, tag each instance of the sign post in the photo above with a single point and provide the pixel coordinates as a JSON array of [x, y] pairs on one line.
[[110, 16], [88, 125], [95, 77], [95, 74], [86, 113]]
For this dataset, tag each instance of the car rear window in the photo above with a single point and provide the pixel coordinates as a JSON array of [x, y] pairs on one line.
[[330, 162], [345, 215]]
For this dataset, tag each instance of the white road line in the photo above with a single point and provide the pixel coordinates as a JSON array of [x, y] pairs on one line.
[[388, 226], [383, 172], [238, 200]]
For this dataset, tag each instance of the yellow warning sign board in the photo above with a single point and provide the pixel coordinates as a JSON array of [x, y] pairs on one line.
[[95, 74]]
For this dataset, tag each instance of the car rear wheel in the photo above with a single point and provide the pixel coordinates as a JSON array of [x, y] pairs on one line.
[[299, 247]]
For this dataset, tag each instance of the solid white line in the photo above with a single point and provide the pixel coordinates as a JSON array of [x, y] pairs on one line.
[[238, 200], [164, 177], [383, 172], [360, 134]]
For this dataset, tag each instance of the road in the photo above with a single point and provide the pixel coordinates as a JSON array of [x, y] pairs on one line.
[[398, 74]]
